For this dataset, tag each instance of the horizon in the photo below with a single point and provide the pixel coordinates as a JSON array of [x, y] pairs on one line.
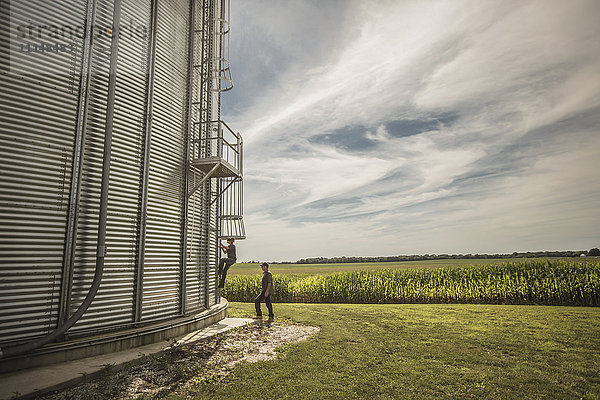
[[472, 255], [414, 127]]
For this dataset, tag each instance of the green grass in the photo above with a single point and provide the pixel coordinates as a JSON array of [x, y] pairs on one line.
[[550, 282], [423, 352]]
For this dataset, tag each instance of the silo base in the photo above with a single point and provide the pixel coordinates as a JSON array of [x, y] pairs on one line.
[[116, 341]]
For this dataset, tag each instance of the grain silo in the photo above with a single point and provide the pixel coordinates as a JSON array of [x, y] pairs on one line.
[[118, 176]]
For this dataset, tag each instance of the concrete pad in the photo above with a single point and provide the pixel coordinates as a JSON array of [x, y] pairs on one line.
[[53, 377]]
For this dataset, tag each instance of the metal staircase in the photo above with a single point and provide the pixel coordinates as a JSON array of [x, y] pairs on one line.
[[215, 151]]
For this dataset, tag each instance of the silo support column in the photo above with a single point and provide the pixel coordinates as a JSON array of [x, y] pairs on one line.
[[143, 213], [186, 158], [77, 167]]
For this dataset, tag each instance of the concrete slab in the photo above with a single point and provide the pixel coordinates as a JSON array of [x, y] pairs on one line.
[[24, 383]]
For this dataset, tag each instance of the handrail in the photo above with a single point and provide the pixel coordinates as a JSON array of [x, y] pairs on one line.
[[229, 144], [233, 147], [220, 121]]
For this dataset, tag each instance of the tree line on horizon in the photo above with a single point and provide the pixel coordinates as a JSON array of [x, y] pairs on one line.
[[429, 257]]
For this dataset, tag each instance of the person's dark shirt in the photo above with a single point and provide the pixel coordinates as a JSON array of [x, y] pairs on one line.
[[266, 279], [231, 252]]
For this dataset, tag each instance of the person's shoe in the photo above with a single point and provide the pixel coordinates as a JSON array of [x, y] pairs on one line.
[[257, 317], [271, 319]]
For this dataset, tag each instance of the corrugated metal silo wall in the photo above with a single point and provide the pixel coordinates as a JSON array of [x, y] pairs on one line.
[[113, 305], [215, 112], [38, 99], [39, 116], [163, 242], [87, 226], [196, 213], [195, 276], [211, 273]]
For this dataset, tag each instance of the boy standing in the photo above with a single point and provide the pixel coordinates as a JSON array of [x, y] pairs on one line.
[[265, 294]]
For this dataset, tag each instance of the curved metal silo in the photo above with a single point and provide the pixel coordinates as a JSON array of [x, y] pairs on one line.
[[116, 169]]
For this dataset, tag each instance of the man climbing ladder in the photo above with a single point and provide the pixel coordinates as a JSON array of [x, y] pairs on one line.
[[226, 262]]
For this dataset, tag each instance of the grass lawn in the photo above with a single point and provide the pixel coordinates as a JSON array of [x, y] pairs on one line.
[[426, 351], [313, 269]]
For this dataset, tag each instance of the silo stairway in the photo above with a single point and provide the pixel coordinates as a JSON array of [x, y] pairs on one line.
[[217, 153]]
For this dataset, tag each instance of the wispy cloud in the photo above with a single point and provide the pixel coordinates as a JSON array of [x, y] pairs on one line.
[[401, 127]]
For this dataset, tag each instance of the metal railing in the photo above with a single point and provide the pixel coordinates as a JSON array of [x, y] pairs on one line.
[[231, 208], [221, 69], [215, 139]]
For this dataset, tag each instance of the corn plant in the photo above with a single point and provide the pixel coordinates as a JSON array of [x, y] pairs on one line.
[[554, 282]]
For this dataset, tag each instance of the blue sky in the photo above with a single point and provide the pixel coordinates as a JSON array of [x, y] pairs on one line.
[[411, 127]]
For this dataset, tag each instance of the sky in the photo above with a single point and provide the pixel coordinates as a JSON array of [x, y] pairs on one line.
[[379, 128]]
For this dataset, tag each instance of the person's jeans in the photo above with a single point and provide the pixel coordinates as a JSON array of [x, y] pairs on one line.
[[224, 265], [267, 300]]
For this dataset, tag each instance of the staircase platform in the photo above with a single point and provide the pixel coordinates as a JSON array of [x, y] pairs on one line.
[[224, 169]]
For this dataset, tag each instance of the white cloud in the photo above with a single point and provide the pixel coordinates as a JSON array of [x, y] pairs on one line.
[[380, 135], [326, 173], [514, 76], [292, 241]]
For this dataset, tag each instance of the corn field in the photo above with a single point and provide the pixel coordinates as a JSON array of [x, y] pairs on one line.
[[553, 282]]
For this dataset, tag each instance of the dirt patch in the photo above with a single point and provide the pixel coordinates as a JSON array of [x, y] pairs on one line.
[[208, 359]]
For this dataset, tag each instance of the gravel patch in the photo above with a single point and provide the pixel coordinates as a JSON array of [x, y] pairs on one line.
[[209, 359]]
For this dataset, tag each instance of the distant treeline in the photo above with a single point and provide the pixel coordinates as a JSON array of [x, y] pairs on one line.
[[427, 257]]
